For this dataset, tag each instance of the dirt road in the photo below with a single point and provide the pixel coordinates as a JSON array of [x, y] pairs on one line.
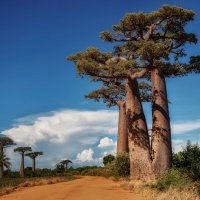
[[86, 188]]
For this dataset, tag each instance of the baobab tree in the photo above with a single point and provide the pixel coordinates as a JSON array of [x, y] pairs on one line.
[[4, 143], [108, 66], [157, 40], [65, 163], [22, 151], [4, 162], [33, 156]]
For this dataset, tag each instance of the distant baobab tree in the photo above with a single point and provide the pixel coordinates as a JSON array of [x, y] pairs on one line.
[[22, 151], [65, 163], [33, 156]]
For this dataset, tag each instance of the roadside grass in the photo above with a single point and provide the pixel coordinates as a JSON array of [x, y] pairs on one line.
[[8, 185]]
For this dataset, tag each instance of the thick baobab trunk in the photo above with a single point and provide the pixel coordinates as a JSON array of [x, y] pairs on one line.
[[139, 145], [161, 131], [33, 165], [22, 166], [122, 136]]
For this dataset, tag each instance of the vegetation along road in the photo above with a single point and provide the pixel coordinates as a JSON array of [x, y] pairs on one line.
[[86, 188]]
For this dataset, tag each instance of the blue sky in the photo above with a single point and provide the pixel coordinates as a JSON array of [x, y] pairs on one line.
[[36, 80]]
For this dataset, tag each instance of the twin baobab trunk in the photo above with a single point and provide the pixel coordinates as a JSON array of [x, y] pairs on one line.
[[139, 145], [22, 166], [122, 136], [161, 132]]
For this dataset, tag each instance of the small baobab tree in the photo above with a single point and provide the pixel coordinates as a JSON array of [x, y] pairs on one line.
[[22, 151], [4, 143], [65, 163], [4, 162], [33, 156]]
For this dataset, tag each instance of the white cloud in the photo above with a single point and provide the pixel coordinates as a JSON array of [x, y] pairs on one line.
[[62, 134], [85, 155], [106, 142], [178, 145], [183, 127], [58, 127]]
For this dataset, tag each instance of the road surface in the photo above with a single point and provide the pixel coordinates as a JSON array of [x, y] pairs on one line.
[[85, 188]]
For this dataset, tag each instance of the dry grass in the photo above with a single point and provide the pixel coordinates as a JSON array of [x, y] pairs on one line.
[[31, 183], [179, 193]]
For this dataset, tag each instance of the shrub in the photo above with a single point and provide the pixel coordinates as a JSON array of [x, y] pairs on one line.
[[119, 167], [108, 159], [122, 164], [188, 160], [172, 178]]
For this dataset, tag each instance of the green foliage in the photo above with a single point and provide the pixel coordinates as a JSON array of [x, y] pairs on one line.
[[188, 160], [11, 174], [87, 170], [60, 168], [108, 159], [22, 149], [173, 178], [122, 164], [64, 162], [119, 167], [154, 38], [4, 161], [33, 155], [11, 182], [6, 141]]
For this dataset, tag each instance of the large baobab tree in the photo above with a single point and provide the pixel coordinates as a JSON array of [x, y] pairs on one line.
[[22, 151], [4, 143], [33, 156], [157, 40], [65, 163], [106, 67]]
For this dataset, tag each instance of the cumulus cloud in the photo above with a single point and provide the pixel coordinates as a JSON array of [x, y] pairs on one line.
[[58, 127], [85, 155], [63, 133], [106, 142], [183, 127]]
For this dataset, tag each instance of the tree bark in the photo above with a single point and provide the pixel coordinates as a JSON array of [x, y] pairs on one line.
[[22, 166], [122, 136], [138, 138], [33, 164], [161, 131]]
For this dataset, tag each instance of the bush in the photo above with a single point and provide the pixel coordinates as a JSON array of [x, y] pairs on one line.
[[10, 174], [122, 164], [173, 178], [108, 159], [87, 170], [119, 167], [188, 161]]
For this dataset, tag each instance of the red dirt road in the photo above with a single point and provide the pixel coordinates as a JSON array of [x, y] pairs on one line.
[[86, 188]]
